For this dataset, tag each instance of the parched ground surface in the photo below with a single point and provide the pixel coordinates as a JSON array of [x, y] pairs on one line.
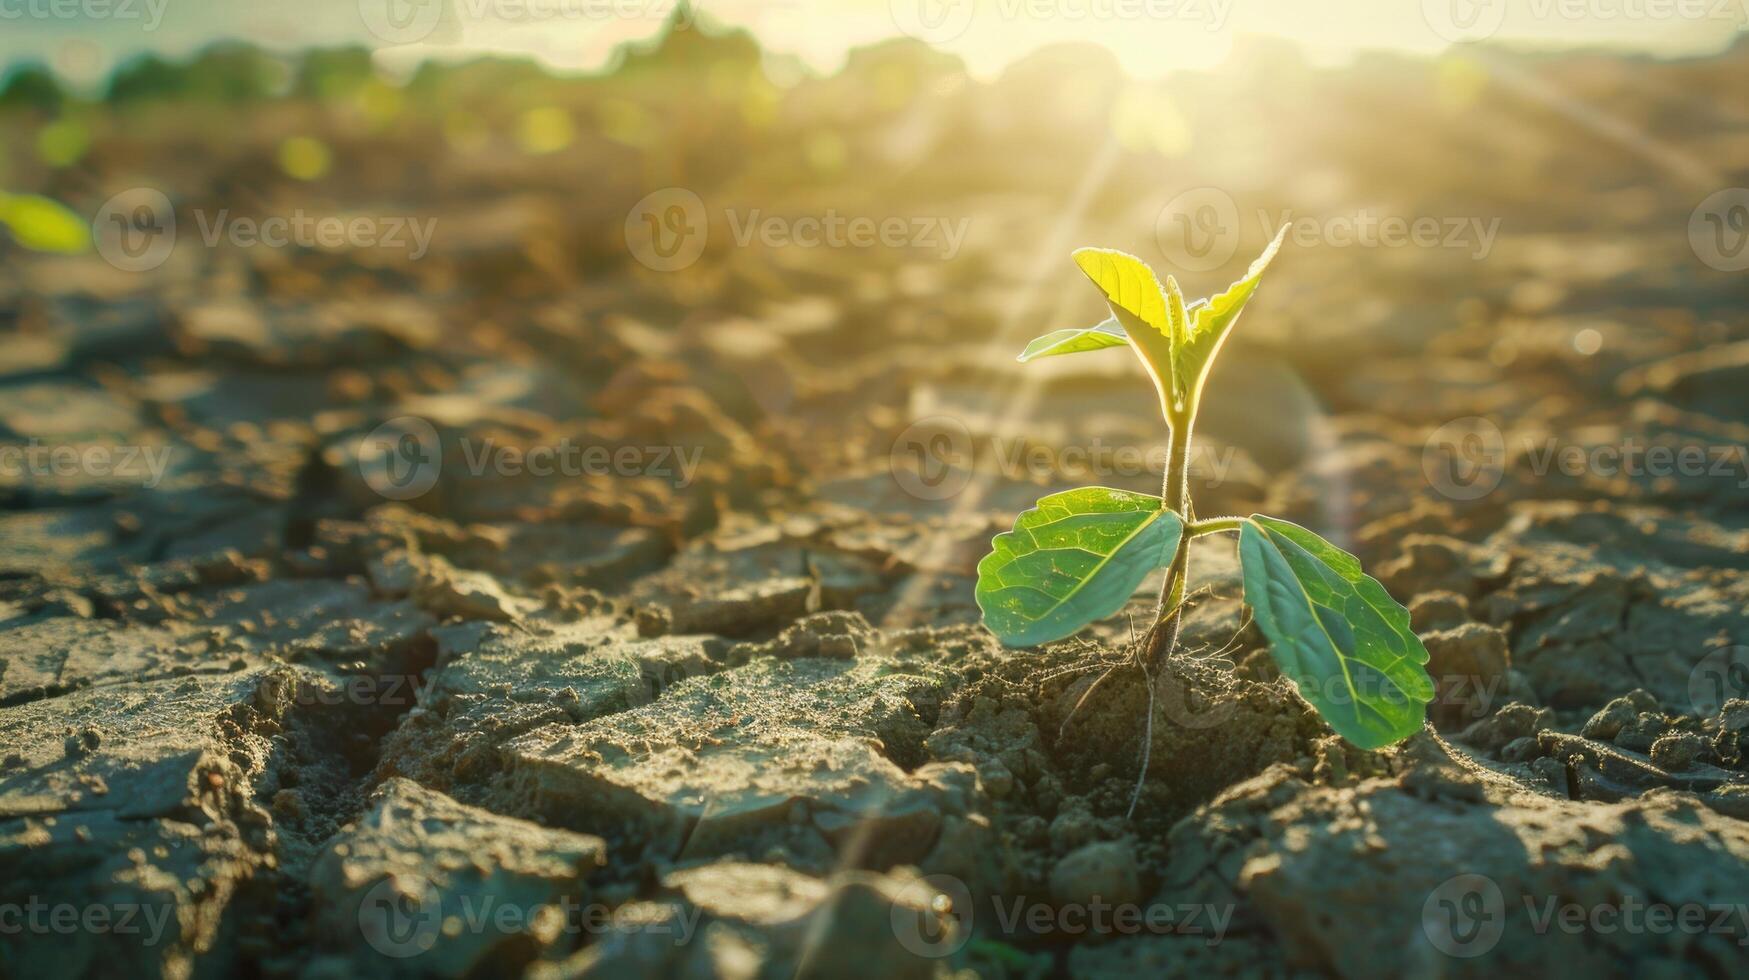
[[334, 678]]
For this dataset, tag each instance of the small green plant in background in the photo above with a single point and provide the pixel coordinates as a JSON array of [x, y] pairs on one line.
[[43, 225], [1078, 556]]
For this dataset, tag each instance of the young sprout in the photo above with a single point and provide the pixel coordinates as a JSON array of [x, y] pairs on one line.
[[1078, 556]]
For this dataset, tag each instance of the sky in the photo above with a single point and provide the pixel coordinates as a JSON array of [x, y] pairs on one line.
[[85, 38]]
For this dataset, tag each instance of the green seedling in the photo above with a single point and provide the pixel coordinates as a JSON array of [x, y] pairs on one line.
[[1078, 556]]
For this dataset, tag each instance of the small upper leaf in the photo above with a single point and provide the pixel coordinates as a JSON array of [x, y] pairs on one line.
[[1072, 341], [1335, 632], [1075, 557], [1211, 324], [1176, 343]]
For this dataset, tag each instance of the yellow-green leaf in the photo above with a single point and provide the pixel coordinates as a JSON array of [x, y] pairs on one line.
[[1211, 324], [1135, 298], [1071, 341], [44, 225]]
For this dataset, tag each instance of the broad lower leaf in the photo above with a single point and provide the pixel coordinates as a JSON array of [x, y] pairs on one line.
[[1335, 632], [1076, 557], [1099, 337], [1138, 303], [44, 225], [1211, 324]]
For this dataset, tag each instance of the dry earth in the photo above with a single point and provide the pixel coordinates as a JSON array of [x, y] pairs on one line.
[[318, 701]]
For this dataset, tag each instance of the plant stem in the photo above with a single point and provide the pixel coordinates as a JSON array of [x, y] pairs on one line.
[[1163, 638], [1214, 525]]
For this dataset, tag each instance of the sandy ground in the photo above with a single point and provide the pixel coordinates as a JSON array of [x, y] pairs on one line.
[[585, 588]]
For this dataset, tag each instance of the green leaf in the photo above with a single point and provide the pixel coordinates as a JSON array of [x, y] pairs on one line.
[[1209, 328], [1077, 556], [1136, 300], [1071, 341], [44, 225], [1335, 632]]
